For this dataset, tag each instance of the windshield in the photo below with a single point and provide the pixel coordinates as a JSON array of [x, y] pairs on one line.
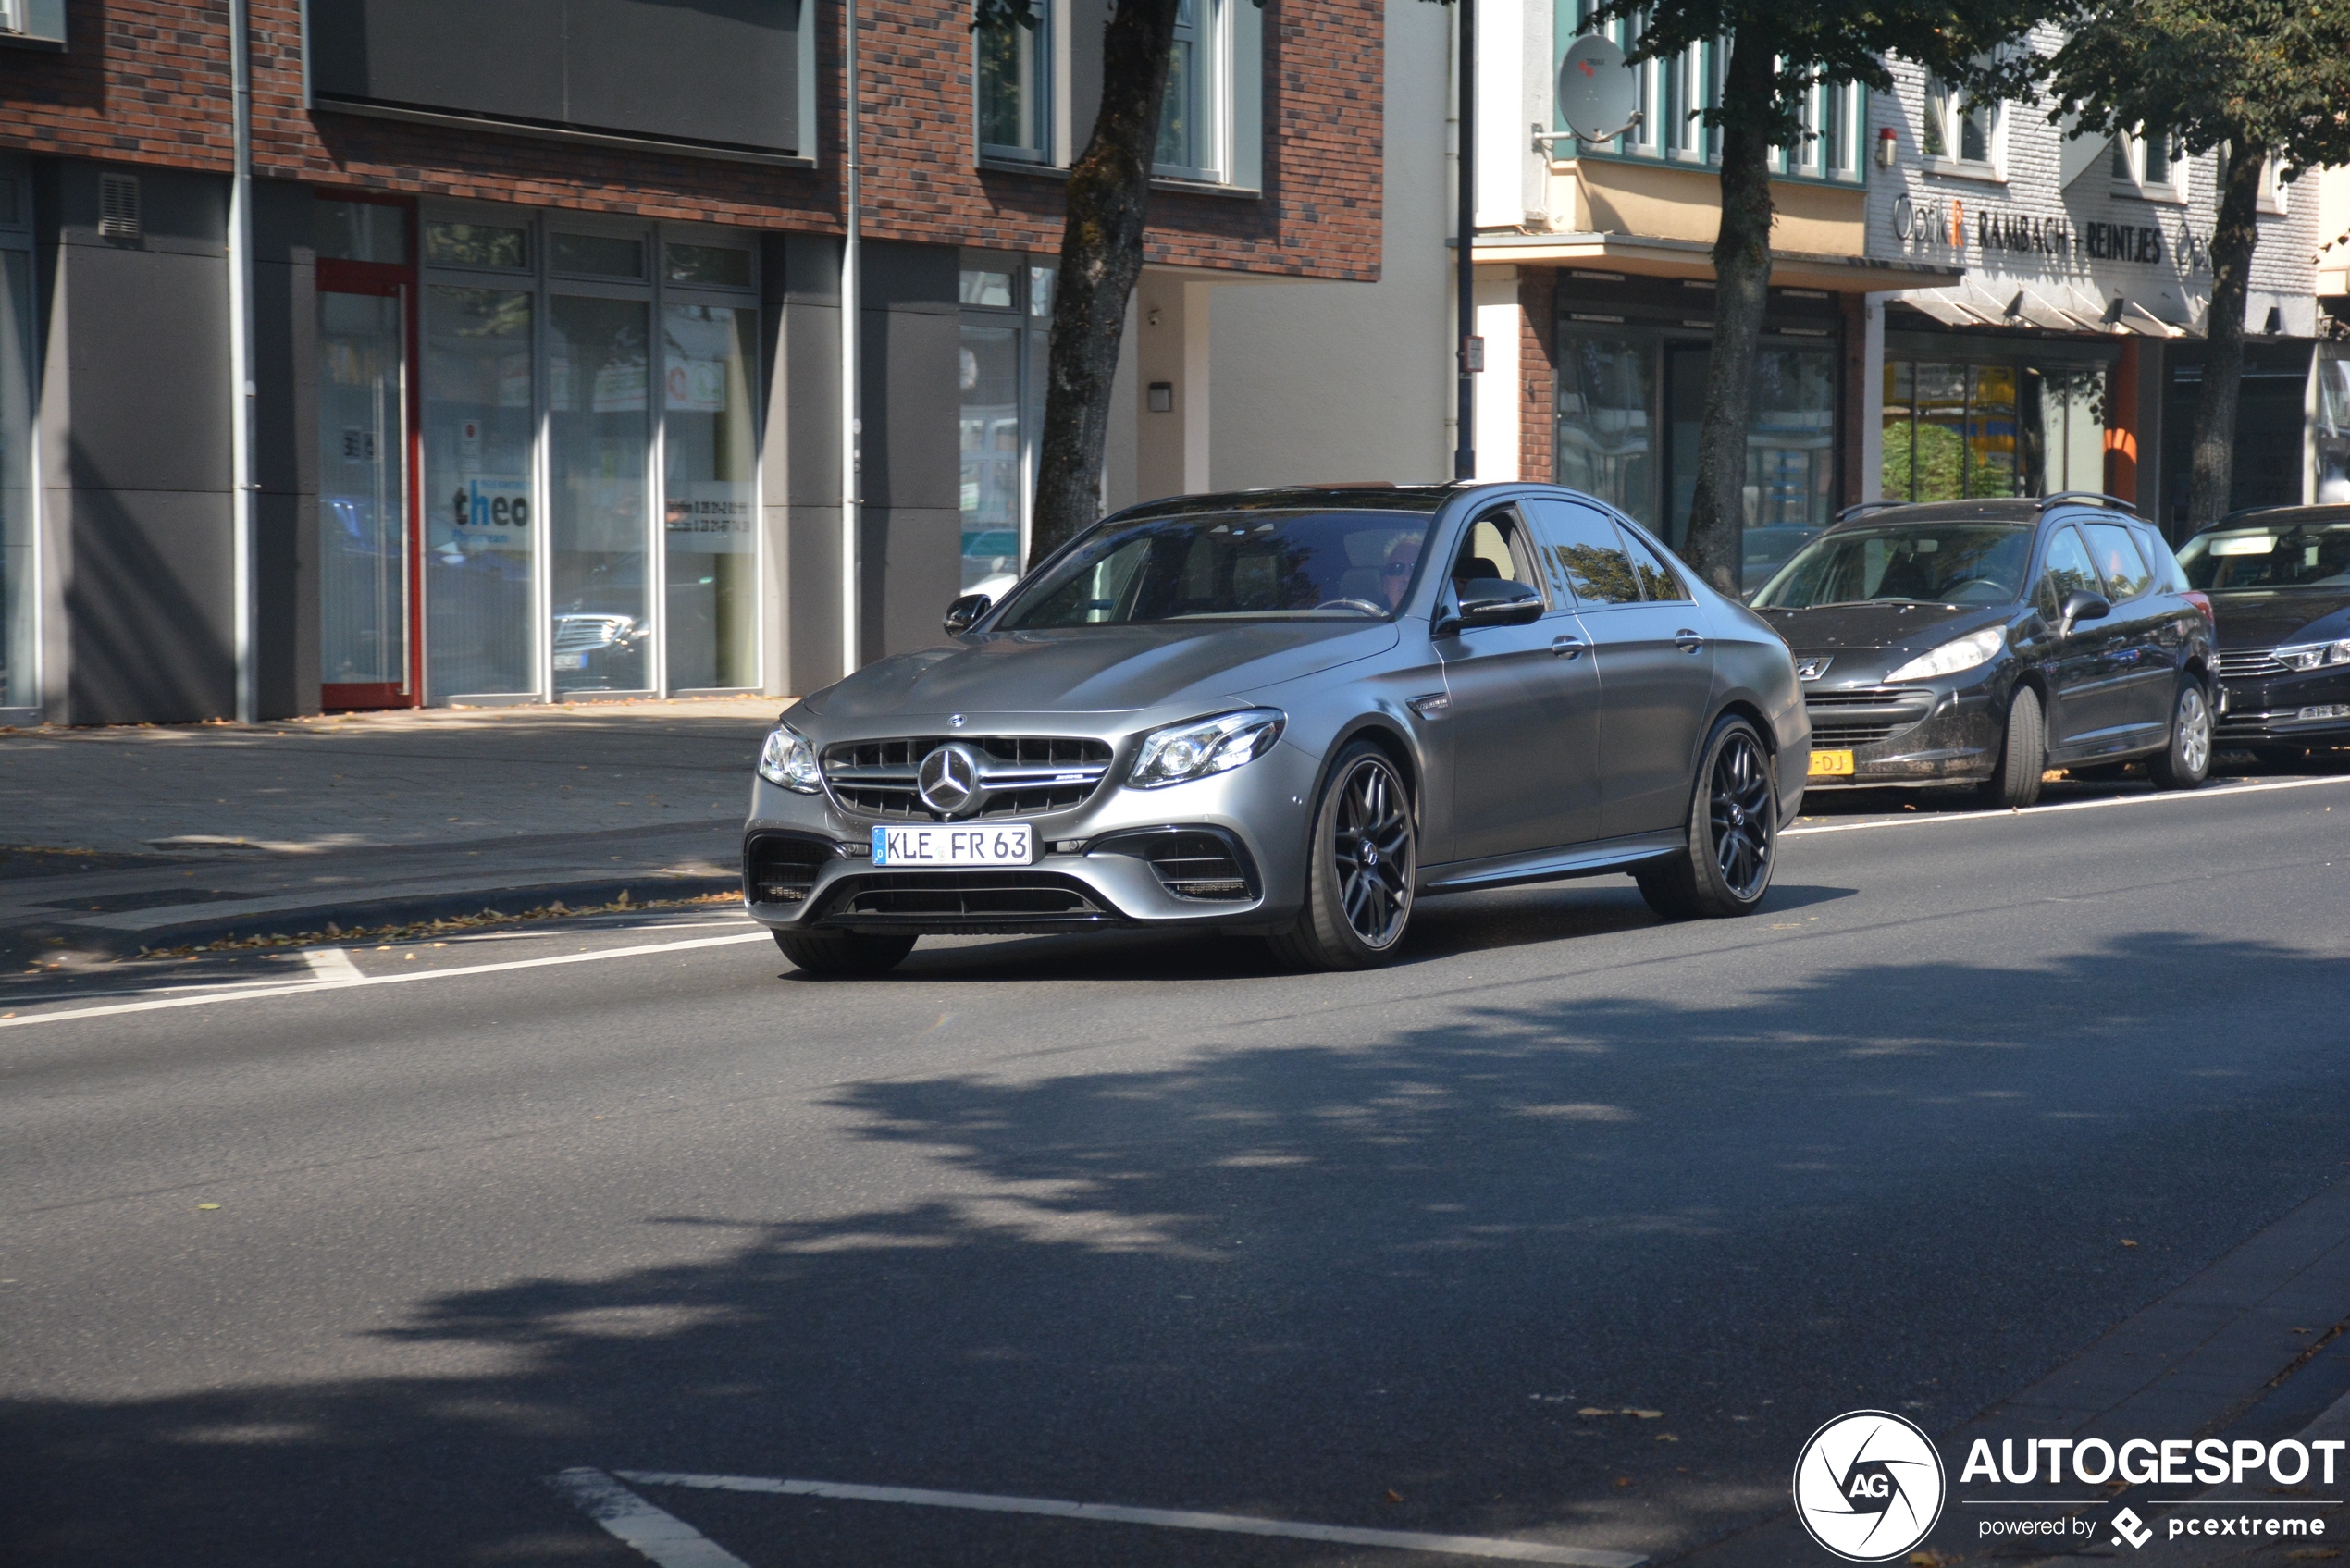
[[1956, 563], [2305, 555], [1317, 562]]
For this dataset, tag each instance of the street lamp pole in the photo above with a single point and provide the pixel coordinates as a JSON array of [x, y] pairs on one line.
[[850, 500], [1464, 230]]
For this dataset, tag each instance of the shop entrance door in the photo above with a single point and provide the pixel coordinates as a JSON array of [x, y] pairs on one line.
[[364, 572]]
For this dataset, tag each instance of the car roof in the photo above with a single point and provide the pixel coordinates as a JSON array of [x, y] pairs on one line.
[[1374, 497], [2253, 516], [2018, 510]]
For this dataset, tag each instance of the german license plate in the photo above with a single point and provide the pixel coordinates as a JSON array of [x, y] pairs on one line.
[[571, 661], [1000, 844], [1831, 764]]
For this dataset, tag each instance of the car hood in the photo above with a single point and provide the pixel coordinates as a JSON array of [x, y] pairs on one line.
[[1100, 668], [1838, 628], [2263, 620]]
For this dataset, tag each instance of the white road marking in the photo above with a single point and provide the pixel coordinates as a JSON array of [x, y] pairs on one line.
[[258, 992], [1163, 1518], [331, 963], [661, 1536], [2224, 792]]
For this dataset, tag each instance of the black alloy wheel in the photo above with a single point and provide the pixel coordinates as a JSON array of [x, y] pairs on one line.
[[2186, 762], [1734, 830], [844, 952], [1364, 854]]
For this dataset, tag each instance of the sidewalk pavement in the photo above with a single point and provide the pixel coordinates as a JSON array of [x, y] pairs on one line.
[[115, 840]]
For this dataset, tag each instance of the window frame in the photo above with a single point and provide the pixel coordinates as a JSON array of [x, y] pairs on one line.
[[1943, 115], [2133, 150], [1045, 76]]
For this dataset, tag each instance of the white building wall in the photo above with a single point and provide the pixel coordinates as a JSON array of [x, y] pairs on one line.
[[1353, 381]]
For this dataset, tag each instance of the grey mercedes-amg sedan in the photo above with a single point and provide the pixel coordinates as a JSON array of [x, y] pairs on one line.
[[1291, 714]]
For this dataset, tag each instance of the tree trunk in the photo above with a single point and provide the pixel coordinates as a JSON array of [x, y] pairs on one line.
[[1101, 257], [1716, 546], [2233, 239]]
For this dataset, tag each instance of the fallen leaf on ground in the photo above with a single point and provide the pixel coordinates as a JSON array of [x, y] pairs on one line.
[[1394, 1496], [1647, 1415], [1666, 1437], [2127, 1242], [1593, 1410], [1623, 1481], [207, 1206]]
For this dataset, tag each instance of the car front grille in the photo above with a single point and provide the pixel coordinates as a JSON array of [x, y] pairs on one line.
[[576, 633], [2250, 666], [1866, 715], [964, 895], [1024, 775], [781, 869]]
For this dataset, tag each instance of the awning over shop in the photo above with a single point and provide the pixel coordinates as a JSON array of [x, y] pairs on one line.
[[1694, 258], [2061, 307]]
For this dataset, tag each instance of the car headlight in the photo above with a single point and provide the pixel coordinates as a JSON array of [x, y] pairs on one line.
[[1959, 653], [2314, 654], [1183, 752], [788, 760]]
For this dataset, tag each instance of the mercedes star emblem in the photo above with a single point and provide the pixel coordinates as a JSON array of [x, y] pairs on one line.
[[949, 780]]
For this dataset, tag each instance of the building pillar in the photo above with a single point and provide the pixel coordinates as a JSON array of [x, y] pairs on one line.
[[1498, 393], [1870, 445], [2121, 425], [1538, 373]]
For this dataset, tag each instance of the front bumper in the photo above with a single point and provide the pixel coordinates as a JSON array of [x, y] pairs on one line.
[[1225, 853], [1913, 737], [2268, 710]]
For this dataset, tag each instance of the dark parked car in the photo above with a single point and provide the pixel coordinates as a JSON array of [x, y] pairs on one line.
[[1291, 713], [1981, 642], [2279, 580]]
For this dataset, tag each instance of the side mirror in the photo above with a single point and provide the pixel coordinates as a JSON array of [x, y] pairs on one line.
[[2082, 605], [964, 611], [1494, 601]]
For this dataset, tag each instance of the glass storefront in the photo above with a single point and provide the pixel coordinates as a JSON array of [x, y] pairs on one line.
[[1955, 429], [1631, 404], [585, 503], [1000, 373]]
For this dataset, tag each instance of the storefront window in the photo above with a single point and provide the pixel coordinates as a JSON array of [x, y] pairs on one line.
[[363, 493], [479, 507], [2333, 426], [2071, 423], [1954, 431], [596, 441], [709, 495], [1790, 457], [17, 603], [1607, 386], [991, 457]]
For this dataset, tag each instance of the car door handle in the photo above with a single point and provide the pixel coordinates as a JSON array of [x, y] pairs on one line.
[[1688, 641], [1571, 647]]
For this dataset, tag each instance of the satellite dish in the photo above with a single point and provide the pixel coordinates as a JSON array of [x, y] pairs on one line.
[[1598, 97]]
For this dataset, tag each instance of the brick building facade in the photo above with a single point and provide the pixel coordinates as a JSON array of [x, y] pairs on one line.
[[545, 323]]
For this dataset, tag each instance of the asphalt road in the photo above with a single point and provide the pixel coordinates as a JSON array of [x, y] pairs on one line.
[[347, 1276]]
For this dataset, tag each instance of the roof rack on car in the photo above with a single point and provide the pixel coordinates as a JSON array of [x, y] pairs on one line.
[[1867, 506], [2098, 497]]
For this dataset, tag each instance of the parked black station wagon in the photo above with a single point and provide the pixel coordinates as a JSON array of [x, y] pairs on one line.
[[1982, 642], [2279, 579]]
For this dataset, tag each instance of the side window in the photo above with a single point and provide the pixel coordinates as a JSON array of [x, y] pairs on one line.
[[2117, 555], [1657, 579], [2169, 576], [2068, 568], [1496, 546], [1587, 552]]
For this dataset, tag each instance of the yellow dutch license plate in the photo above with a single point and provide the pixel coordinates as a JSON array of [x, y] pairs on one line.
[[1831, 764]]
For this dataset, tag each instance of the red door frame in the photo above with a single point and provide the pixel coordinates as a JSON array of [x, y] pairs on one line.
[[386, 279]]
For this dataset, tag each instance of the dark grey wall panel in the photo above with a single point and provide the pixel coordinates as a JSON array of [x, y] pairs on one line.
[[149, 606], [724, 71], [706, 71], [285, 544], [808, 592], [504, 58], [913, 571], [147, 351]]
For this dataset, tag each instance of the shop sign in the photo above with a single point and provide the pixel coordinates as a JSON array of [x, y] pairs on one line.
[[697, 386], [1945, 225], [2123, 242], [712, 517], [494, 514]]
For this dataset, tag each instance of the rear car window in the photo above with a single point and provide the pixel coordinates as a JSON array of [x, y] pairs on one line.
[[2280, 555], [1586, 552], [1657, 579], [2119, 562]]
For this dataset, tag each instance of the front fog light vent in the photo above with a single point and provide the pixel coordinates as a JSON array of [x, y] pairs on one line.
[[784, 870], [1198, 865]]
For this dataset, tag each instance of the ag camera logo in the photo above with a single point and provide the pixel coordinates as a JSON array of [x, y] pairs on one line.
[[1869, 1485]]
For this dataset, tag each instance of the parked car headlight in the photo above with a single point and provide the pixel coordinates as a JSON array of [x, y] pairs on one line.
[[788, 760], [1959, 653], [1208, 746], [2314, 654]]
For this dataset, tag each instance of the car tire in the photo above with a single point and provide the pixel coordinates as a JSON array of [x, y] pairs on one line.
[[843, 952], [1733, 832], [1362, 856], [2186, 762], [2023, 754]]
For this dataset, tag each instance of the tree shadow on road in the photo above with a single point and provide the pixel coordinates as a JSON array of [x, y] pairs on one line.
[[1295, 1278]]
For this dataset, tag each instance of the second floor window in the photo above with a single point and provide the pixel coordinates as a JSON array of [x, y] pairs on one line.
[[1013, 77], [1187, 121], [1957, 127], [2146, 160]]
